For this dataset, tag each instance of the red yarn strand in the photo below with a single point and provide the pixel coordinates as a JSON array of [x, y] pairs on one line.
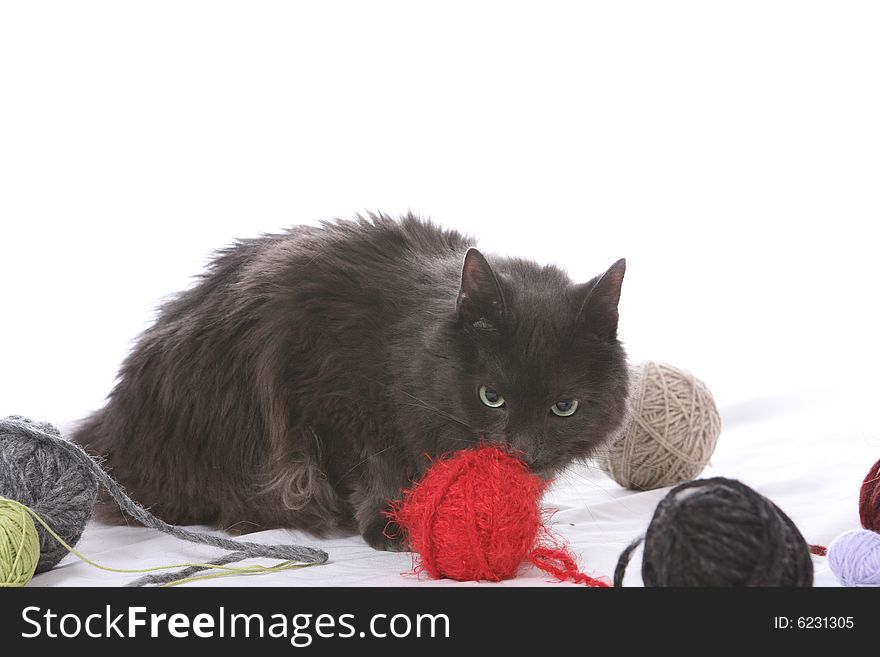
[[560, 564]]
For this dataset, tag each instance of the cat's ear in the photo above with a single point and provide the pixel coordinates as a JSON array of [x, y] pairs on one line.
[[480, 298], [599, 310]]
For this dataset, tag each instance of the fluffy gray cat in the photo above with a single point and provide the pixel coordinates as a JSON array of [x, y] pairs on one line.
[[310, 375]]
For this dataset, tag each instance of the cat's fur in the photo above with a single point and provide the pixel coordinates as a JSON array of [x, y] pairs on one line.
[[309, 375]]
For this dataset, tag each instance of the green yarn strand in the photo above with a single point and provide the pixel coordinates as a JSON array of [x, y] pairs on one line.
[[20, 548]]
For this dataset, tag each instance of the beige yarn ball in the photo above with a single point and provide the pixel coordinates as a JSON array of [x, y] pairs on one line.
[[671, 433]]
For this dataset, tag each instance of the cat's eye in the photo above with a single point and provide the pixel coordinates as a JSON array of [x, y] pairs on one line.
[[491, 397], [565, 407]]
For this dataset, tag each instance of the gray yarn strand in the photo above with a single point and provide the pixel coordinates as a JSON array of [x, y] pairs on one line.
[[240, 549], [157, 579]]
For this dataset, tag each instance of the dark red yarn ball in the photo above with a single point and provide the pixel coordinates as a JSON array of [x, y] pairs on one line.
[[869, 499], [474, 516]]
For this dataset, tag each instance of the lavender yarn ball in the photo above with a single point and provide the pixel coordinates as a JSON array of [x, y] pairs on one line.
[[854, 558]]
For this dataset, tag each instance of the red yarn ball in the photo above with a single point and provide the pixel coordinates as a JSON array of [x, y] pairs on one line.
[[474, 516], [869, 499]]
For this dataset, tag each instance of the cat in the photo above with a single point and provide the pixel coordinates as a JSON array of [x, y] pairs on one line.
[[310, 375]]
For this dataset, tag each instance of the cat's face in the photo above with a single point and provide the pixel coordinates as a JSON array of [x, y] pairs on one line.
[[531, 360]]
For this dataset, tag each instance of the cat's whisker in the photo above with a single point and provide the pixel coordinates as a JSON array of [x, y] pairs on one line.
[[586, 462], [581, 478], [467, 441], [562, 474], [438, 412], [423, 404], [360, 463], [449, 416]]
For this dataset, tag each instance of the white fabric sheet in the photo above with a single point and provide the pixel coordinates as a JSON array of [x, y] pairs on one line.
[[809, 459]]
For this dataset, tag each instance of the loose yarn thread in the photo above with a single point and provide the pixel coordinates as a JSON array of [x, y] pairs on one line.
[[19, 568], [52, 478], [671, 432], [720, 532]]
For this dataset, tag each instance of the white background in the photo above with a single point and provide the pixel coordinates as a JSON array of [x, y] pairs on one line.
[[729, 151]]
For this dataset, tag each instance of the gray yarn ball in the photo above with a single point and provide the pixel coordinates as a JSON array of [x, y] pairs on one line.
[[51, 483]]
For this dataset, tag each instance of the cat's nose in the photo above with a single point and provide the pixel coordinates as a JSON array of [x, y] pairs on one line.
[[524, 447]]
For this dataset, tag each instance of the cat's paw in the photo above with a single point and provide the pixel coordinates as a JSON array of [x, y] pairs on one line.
[[386, 536]]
